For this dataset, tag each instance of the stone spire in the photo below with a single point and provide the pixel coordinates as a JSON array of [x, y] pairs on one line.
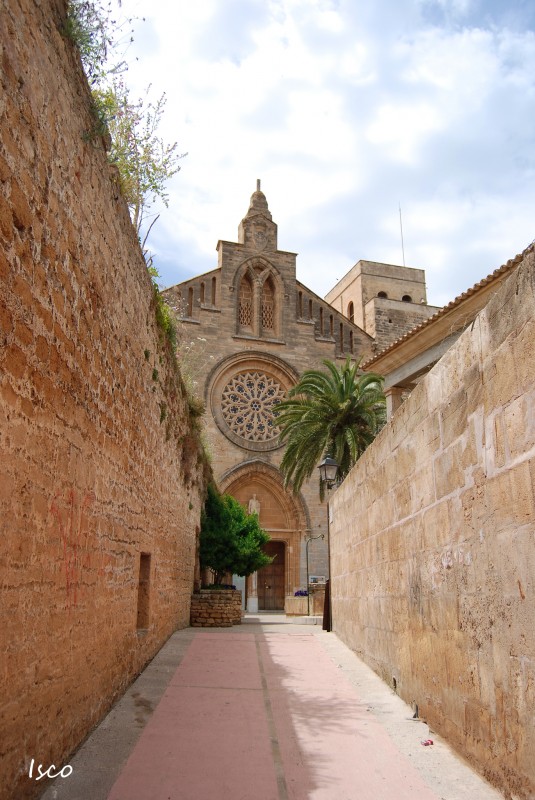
[[258, 204], [257, 231]]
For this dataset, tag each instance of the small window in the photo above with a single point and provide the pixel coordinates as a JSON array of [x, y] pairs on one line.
[[341, 338], [202, 292], [300, 306], [143, 592], [310, 309], [407, 298], [351, 312], [213, 291], [321, 321], [351, 342], [331, 325], [382, 294], [190, 302]]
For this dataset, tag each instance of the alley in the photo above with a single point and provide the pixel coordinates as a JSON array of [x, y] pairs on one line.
[[269, 710]]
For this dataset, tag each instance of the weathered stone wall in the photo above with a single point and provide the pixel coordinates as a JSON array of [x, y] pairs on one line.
[[388, 320], [215, 608], [433, 546], [100, 470]]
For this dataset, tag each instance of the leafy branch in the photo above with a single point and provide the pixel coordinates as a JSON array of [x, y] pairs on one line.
[[144, 161]]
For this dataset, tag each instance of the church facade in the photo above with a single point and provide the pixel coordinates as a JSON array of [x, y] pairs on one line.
[[259, 328]]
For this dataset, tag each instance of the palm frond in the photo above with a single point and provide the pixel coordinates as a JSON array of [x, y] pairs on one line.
[[336, 412]]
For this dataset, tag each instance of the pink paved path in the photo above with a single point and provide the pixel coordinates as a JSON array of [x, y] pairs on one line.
[[268, 716]]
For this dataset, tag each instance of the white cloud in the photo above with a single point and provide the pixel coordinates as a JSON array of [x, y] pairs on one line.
[[402, 128], [344, 110]]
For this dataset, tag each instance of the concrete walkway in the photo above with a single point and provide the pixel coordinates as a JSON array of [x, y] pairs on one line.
[[268, 710]]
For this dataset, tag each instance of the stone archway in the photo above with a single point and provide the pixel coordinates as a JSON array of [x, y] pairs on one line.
[[258, 486]]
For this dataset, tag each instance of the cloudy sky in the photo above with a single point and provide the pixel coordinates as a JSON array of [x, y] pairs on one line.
[[346, 109]]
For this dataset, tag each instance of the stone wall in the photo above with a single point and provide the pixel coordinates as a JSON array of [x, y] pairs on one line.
[[101, 478], [433, 546], [215, 608], [388, 320]]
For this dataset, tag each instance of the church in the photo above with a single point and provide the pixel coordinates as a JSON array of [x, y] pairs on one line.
[[262, 328]]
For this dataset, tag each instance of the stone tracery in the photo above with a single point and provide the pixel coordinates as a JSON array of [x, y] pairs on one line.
[[248, 404]]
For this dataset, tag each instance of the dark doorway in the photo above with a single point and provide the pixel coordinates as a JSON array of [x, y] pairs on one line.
[[271, 594]]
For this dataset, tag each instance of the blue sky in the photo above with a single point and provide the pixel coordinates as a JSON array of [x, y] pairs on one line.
[[346, 109]]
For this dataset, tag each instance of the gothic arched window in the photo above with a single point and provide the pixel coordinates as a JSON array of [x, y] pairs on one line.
[[245, 303], [351, 312], [268, 306]]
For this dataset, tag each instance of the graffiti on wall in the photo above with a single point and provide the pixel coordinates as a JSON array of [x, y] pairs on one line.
[[83, 559]]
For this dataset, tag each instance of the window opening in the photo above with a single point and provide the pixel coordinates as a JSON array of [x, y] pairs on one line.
[[190, 302], [245, 310], [351, 312], [213, 291], [268, 306], [143, 592]]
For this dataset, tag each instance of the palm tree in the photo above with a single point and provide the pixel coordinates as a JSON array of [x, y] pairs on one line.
[[336, 413]]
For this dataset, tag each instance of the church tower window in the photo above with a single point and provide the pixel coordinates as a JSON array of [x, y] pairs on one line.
[[245, 309], [351, 312], [268, 306]]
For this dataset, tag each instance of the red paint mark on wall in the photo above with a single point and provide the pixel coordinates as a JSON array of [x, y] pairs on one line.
[[69, 511]]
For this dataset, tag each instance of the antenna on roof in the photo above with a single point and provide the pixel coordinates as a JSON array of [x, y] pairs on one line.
[[401, 228]]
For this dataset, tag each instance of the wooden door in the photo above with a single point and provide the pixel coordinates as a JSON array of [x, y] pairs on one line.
[[271, 594]]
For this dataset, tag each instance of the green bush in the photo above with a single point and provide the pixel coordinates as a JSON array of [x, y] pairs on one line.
[[231, 540]]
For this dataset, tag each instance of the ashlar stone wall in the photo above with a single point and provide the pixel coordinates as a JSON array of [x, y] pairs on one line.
[[433, 543], [100, 472]]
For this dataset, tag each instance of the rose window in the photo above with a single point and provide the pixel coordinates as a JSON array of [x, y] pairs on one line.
[[248, 405]]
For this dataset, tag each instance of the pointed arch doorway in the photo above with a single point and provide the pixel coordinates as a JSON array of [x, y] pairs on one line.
[[258, 487]]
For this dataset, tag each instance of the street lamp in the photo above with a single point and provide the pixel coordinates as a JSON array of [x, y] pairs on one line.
[[328, 472]]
